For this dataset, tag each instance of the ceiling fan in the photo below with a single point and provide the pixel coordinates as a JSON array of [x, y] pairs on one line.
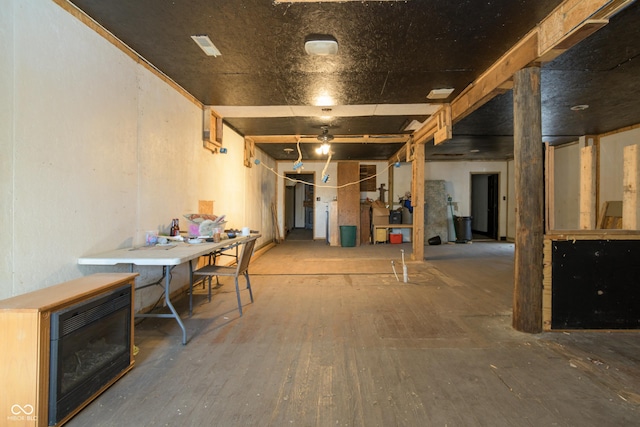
[[325, 136]]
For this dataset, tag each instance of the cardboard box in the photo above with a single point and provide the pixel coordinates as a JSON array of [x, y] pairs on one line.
[[379, 216]]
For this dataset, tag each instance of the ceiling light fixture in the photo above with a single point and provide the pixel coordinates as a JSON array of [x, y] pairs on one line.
[[324, 100], [440, 93], [206, 45], [321, 45], [323, 149], [580, 107]]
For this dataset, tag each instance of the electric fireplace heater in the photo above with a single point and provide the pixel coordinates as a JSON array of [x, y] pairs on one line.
[[90, 346]]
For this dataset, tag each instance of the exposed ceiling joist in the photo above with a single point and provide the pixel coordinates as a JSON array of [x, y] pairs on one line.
[[313, 139], [364, 110]]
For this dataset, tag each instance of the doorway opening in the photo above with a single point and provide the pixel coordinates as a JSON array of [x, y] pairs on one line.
[[485, 202], [299, 206]]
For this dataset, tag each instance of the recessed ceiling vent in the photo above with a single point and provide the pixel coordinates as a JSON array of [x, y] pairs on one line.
[[440, 93], [206, 45]]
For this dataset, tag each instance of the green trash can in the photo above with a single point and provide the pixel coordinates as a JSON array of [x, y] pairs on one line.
[[348, 236]]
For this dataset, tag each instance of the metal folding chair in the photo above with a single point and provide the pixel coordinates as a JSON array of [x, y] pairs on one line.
[[241, 268]]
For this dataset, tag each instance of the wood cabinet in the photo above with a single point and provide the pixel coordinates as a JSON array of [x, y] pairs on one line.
[[349, 195], [25, 340]]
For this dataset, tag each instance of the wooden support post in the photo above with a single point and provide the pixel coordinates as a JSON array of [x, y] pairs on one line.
[[595, 141], [417, 201], [549, 181], [527, 293], [249, 151], [631, 179], [587, 188], [392, 193]]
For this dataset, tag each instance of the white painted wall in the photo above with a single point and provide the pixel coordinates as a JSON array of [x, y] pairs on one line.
[[567, 176], [567, 187], [457, 177], [96, 150], [6, 138], [611, 161]]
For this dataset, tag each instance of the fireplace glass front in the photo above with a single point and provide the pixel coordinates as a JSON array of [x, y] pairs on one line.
[[90, 346]]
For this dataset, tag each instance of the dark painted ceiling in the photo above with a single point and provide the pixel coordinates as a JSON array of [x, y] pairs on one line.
[[390, 52]]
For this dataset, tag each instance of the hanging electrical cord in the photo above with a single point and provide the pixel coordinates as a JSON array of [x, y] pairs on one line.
[[298, 163], [325, 176], [258, 162]]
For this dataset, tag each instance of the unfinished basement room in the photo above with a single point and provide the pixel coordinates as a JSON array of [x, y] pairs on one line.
[[320, 213]]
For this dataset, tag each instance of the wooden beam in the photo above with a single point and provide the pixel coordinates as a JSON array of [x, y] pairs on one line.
[[491, 82], [438, 127], [584, 30], [338, 139], [528, 259], [574, 20], [587, 188], [249, 151], [571, 22], [631, 180], [595, 141], [549, 180], [546, 284], [404, 154], [427, 130], [417, 201], [411, 144], [445, 127]]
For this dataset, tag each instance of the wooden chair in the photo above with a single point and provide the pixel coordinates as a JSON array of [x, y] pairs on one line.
[[241, 268]]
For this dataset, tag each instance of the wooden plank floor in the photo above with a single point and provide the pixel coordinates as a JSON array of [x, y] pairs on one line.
[[333, 339]]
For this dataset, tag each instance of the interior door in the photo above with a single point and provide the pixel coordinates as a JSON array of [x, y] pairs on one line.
[[485, 205], [493, 203]]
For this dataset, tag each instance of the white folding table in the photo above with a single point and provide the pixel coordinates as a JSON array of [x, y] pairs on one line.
[[167, 257]]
